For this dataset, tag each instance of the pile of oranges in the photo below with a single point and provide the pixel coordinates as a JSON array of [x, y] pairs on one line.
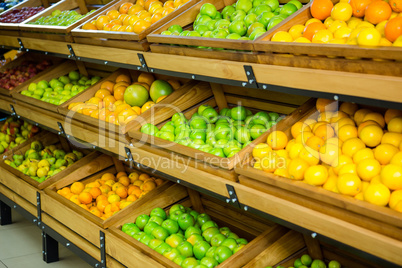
[[352, 151], [134, 17], [367, 23], [111, 192], [108, 102]]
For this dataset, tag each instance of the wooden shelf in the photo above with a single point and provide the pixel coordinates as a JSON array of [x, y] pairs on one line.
[[367, 88]]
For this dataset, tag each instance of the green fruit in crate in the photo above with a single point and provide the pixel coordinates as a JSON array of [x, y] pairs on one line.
[[185, 221], [334, 264], [241, 241], [200, 249], [159, 88], [222, 25], [154, 243], [185, 248], [158, 220], [160, 233], [209, 10], [174, 240], [171, 226], [274, 21], [129, 226], [171, 254], [217, 239], [227, 12], [306, 260], [209, 233], [209, 262], [189, 262], [257, 33], [244, 5], [136, 95], [265, 17], [239, 247], [238, 27], [318, 264], [149, 227], [222, 253], [233, 235], [238, 15], [149, 129], [141, 221], [230, 243], [195, 238], [250, 19], [192, 230]]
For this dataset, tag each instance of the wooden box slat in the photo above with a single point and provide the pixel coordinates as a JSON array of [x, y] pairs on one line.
[[264, 44], [224, 163], [31, 57], [122, 39], [56, 72]]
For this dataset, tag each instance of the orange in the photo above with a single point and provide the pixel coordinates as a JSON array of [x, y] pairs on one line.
[[371, 135], [392, 138], [158, 181], [391, 176], [321, 9], [349, 108], [77, 187], [329, 154], [342, 122], [395, 197], [146, 78], [108, 176], [351, 146], [396, 6], [347, 132], [312, 157], [349, 184], [324, 132], [101, 197], [107, 85], [95, 192], [384, 153], [119, 93], [359, 7], [377, 117], [269, 162], [116, 22], [303, 137], [74, 199], [297, 167], [155, 17], [108, 101], [298, 128], [95, 211], [315, 143], [308, 33], [338, 116], [365, 153], [101, 21], [323, 105], [148, 186], [121, 174], [377, 11], [147, 105], [290, 144], [277, 140], [364, 124], [113, 14], [121, 107], [342, 161], [124, 180], [101, 205], [64, 191], [144, 177], [326, 116], [140, 25], [113, 198], [391, 113], [395, 125], [89, 26], [397, 159], [134, 9], [377, 194], [360, 114], [368, 169], [85, 198], [148, 3], [132, 198], [317, 124], [121, 191], [123, 9], [123, 78], [336, 141], [393, 29], [316, 175]]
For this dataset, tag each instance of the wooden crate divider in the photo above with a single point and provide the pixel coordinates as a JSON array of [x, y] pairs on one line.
[[122, 39]]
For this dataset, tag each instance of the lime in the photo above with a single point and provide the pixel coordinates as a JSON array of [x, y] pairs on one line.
[[318, 264], [306, 259], [334, 264], [288, 9], [238, 113], [297, 263]]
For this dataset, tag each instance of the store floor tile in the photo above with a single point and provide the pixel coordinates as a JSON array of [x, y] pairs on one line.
[[21, 246]]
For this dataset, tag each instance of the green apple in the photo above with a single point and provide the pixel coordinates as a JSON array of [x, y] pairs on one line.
[[174, 240], [185, 248], [227, 12], [185, 221], [250, 19], [210, 252], [209, 233], [274, 21], [154, 243], [171, 254], [170, 225], [200, 249], [244, 5], [238, 27], [146, 238], [209, 262], [238, 15], [257, 33], [265, 17], [175, 28], [160, 233], [288, 9], [222, 253], [150, 226], [162, 248], [229, 242], [190, 263], [149, 129], [177, 207], [194, 238], [208, 9], [274, 4], [217, 239]]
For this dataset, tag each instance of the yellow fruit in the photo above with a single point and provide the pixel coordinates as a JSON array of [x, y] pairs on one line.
[[397, 159], [349, 108], [283, 172], [329, 154], [376, 117], [277, 140], [312, 157], [282, 36], [296, 31], [322, 37], [261, 150], [395, 125], [391, 176], [330, 184], [297, 168], [347, 132], [295, 150], [365, 153], [371, 135], [396, 197], [351, 146], [269, 162], [316, 175], [341, 11], [298, 128], [348, 168], [377, 194], [368, 169], [384, 153], [342, 161], [369, 37], [360, 114], [392, 138], [349, 184]]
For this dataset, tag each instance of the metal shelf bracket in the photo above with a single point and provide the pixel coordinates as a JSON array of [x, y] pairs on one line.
[[232, 196], [143, 66], [251, 81]]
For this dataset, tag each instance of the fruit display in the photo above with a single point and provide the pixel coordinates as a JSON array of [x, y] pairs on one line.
[[121, 101], [59, 90], [306, 261], [61, 18], [357, 22], [244, 20], [351, 151], [40, 162], [13, 77], [20, 14], [134, 17], [110, 193], [222, 134], [7, 4], [185, 236], [14, 132]]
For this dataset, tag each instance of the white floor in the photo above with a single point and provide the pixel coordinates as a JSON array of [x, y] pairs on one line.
[[21, 246]]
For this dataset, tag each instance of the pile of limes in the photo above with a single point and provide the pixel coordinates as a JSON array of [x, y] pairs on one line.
[[352, 151], [307, 262]]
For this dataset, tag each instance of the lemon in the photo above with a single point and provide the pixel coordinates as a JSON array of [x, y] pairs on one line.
[[341, 11], [282, 36], [296, 31], [302, 40], [322, 36], [342, 32], [336, 25], [377, 194]]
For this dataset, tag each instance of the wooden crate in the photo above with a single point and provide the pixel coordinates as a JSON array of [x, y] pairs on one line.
[[57, 33], [12, 28], [227, 96], [375, 218], [110, 127], [259, 232], [60, 70], [370, 55], [239, 50], [80, 220], [28, 57], [25, 185], [123, 39]]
